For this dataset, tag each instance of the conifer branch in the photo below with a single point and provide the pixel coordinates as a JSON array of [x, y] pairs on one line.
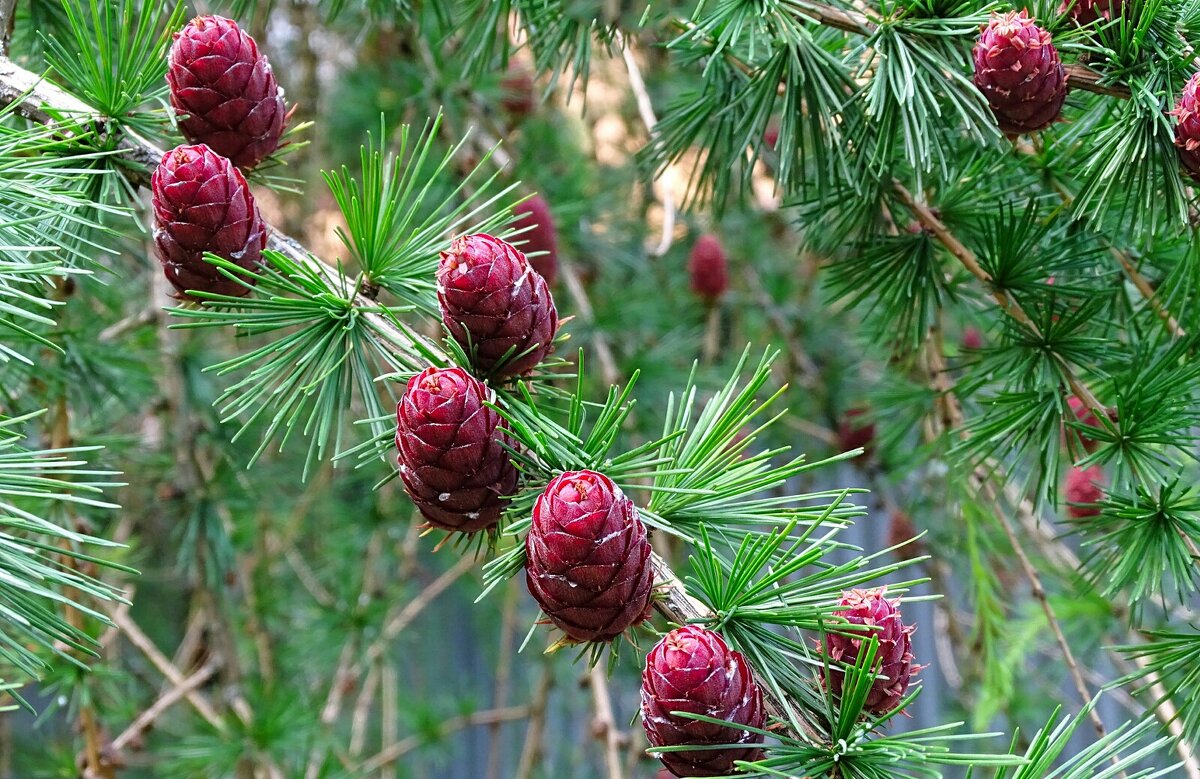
[[1079, 76], [18, 84]]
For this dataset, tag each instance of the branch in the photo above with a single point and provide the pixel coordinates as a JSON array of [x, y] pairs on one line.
[[401, 748], [1078, 76], [168, 699], [8, 18]]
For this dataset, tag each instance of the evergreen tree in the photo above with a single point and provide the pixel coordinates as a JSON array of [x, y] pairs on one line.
[[959, 238]]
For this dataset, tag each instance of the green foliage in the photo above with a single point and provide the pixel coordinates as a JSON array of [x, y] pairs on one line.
[[395, 227], [37, 555], [327, 355], [117, 57]]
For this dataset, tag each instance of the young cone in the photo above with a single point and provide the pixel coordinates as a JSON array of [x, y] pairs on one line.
[[1085, 415], [1083, 489], [588, 558], [854, 432], [692, 669], [1088, 11], [497, 307], [224, 91], [451, 458], [201, 204], [893, 658], [519, 99], [708, 267], [1187, 127], [1019, 72], [541, 238]]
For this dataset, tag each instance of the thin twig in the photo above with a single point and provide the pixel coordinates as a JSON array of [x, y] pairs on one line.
[[414, 607], [508, 629], [531, 750], [606, 726], [646, 111], [1010, 306], [400, 749], [165, 701], [142, 642], [583, 304], [952, 417]]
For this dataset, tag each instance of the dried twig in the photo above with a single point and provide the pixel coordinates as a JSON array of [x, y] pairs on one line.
[[142, 642], [165, 701], [646, 111], [451, 725], [606, 726], [531, 751]]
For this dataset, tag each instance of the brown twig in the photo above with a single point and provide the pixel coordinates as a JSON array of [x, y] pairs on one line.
[[531, 750], [508, 629], [142, 642], [606, 727], [583, 305], [173, 695], [665, 196], [402, 748]]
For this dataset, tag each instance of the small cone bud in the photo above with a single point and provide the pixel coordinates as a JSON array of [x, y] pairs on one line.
[[893, 657], [972, 338], [542, 238], [708, 267], [520, 99], [1020, 73], [1083, 489], [1089, 11], [854, 432]]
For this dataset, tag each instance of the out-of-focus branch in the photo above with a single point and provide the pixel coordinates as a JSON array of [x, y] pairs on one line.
[[174, 694]]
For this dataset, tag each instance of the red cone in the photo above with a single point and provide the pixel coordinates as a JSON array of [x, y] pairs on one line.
[[588, 558], [1019, 71], [202, 204], [1082, 490], [1088, 11], [893, 657], [224, 91], [692, 669], [497, 307], [542, 238], [452, 461], [708, 267], [1187, 127]]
